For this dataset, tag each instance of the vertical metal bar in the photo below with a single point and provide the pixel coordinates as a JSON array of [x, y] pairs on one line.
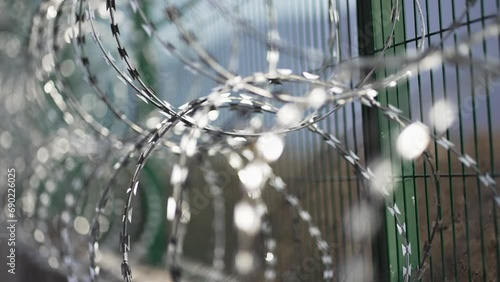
[[309, 187], [385, 136], [353, 24], [333, 205], [347, 134], [332, 164], [442, 13], [461, 133], [371, 138], [474, 119], [404, 195], [316, 148], [428, 211], [340, 186], [408, 168], [296, 156], [328, 201], [315, 209], [492, 154], [338, 162], [495, 220]]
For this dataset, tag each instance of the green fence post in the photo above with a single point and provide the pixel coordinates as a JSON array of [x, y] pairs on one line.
[[382, 133], [371, 140]]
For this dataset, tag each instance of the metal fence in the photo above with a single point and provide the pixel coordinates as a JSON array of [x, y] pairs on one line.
[[440, 220], [465, 243]]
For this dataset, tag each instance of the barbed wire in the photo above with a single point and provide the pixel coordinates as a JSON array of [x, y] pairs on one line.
[[190, 135]]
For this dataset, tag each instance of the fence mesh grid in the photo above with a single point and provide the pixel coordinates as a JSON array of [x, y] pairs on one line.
[[466, 244]]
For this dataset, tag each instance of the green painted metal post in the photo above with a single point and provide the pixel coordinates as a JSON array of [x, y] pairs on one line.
[[371, 142], [375, 26]]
